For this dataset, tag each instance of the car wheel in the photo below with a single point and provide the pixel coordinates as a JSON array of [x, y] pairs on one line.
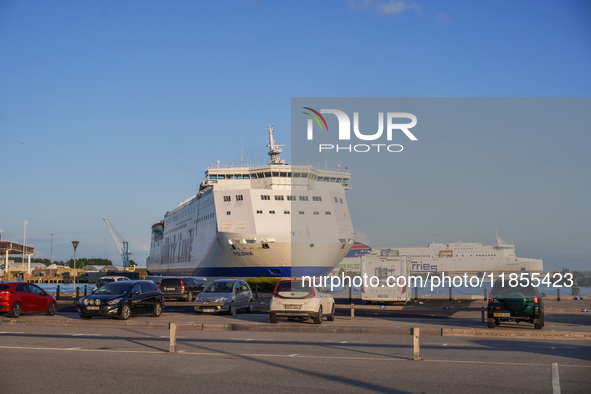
[[232, 310], [250, 307], [16, 310], [492, 324], [157, 309], [125, 312], [273, 318], [539, 324], [331, 316], [318, 317], [51, 309], [85, 317], [189, 296]]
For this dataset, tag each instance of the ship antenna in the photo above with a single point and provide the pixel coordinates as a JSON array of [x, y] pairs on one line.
[[274, 150]]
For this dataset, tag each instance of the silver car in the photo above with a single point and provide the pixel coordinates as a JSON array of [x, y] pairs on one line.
[[234, 293]]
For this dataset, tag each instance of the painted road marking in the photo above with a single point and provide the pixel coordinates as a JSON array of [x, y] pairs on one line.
[[555, 379]]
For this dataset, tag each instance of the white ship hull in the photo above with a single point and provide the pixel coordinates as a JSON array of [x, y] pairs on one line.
[[276, 220]]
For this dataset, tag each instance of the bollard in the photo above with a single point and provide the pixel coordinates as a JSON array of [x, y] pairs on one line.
[[450, 290], [558, 294], [85, 290], [172, 327], [482, 316], [77, 294], [352, 311], [416, 347], [485, 294], [57, 293]]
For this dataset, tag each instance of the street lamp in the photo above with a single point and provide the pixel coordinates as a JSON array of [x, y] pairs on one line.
[[75, 245]]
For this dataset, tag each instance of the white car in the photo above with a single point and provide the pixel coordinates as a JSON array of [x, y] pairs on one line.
[[293, 300], [108, 279]]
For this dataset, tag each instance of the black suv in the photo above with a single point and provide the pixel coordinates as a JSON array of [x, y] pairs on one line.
[[181, 287], [515, 303]]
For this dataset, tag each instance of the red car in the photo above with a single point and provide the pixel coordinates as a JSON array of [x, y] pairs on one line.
[[23, 297]]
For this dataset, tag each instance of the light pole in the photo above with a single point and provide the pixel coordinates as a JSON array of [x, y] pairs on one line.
[[75, 245]]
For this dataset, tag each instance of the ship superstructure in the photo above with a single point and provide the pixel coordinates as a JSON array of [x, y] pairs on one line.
[[272, 220]]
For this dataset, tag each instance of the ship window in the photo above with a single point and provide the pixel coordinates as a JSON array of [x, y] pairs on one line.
[[272, 212], [275, 173], [239, 197], [289, 174], [279, 197], [317, 198], [268, 174], [283, 174], [228, 213], [339, 180], [286, 212], [296, 174], [341, 200], [213, 177], [332, 179], [260, 175], [221, 176], [301, 212], [328, 213], [265, 197], [336, 199], [303, 198], [247, 176], [291, 198], [259, 212], [304, 174], [227, 198], [316, 213]]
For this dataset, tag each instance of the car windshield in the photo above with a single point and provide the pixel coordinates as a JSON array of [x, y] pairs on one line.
[[103, 281], [224, 286], [114, 288], [505, 290], [293, 289]]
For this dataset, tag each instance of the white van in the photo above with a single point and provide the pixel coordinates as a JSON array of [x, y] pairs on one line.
[[387, 268]]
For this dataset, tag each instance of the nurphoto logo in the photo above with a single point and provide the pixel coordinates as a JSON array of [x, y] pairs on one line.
[[392, 124]]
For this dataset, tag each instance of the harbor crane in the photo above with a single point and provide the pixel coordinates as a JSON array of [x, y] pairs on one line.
[[121, 245]]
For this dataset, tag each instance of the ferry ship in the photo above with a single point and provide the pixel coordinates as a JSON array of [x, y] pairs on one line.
[[276, 220], [471, 258]]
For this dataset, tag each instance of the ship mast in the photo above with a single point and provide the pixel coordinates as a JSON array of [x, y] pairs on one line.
[[274, 150]]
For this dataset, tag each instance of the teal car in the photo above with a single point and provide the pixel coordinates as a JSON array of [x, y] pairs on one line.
[[515, 303]]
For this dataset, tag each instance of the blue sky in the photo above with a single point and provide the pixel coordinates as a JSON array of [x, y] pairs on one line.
[[116, 108]]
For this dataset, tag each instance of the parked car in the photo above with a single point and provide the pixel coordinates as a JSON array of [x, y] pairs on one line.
[[123, 299], [181, 287], [292, 299], [108, 279], [515, 303], [22, 297], [234, 292]]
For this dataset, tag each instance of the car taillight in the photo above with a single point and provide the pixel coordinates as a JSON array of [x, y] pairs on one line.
[[4, 293], [362, 288], [490, 297], [312, 293], [182, 285], [536, 299]]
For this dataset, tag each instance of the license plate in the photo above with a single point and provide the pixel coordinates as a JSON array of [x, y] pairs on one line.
[[293, 306], [208, 309], [383, 295], [502, 315], [169, 288], [92, 308]]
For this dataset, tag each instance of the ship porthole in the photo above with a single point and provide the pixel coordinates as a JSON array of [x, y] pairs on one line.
[[311, 245]]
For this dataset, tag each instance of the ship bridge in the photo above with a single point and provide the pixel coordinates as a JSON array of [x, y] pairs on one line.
[[8, 248]]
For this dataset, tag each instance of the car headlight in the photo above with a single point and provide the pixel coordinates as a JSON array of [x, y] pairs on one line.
[[114, 301], [97, 301], [227, 299], [85, 301]]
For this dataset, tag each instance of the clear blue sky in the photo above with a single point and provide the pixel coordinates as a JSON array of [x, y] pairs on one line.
[[115, 108]]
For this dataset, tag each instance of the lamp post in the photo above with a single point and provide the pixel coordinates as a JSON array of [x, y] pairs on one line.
[[75, 245]]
